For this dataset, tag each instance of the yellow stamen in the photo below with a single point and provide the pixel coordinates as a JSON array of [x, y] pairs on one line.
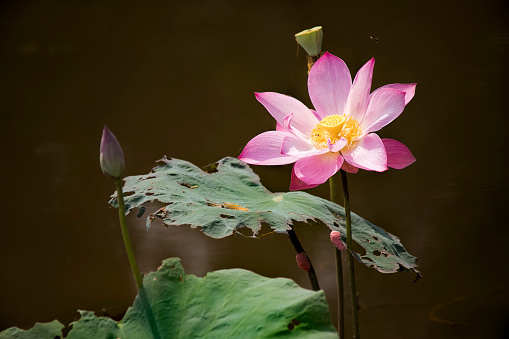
[[335, 127]]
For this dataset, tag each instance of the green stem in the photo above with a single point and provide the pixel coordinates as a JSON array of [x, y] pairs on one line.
[[299, 249], [353, 290], [339, 268], [125, 233]]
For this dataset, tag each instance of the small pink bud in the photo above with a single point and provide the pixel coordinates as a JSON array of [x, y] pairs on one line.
[[335, 238], [303, 261], [111, 156]]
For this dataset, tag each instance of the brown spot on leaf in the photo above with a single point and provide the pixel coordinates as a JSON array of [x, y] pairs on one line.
[[231, 206], [213, 205], [294, 323]]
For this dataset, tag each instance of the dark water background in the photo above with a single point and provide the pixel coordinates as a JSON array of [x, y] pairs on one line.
[[177, 79]]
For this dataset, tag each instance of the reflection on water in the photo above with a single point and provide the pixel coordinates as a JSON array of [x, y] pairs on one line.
[[177, 79]]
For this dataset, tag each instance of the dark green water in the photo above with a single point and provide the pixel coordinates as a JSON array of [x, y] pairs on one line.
[[177, 79]]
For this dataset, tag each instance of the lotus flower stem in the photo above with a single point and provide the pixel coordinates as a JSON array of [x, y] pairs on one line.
[[299, 249], [125, 233], [311, 61], [353, 291], [339, 268]]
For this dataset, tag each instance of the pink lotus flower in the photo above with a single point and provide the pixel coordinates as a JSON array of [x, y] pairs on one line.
[[338, 134]]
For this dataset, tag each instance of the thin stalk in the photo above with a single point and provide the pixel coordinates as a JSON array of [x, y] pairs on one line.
[[339, 264], [125, 234], [299, 249], [311, 61], [339, 268], [353, 290]]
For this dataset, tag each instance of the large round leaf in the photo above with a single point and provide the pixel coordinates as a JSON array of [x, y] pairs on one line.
[[228, 196], [224, 304]]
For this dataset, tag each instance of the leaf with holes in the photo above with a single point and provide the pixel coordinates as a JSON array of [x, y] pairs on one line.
[[230, 303], [228, 196]]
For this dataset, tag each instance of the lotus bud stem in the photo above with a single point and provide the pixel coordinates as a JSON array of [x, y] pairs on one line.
[[112, 164]]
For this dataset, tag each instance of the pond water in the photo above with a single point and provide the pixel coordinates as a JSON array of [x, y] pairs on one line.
[[177, 79]]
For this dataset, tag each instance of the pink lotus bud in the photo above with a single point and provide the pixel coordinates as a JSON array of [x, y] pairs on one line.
[[111, 156], [303, 261], [335, 238]]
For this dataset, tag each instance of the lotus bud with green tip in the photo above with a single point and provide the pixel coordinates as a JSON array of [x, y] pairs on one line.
[[311, 40], [111, 155]]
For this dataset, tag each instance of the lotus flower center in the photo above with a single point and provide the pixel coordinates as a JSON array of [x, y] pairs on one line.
[[335, 127]]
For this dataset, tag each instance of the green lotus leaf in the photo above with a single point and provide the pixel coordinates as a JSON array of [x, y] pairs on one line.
[[228, 196], [232, 303], [49, 330]]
